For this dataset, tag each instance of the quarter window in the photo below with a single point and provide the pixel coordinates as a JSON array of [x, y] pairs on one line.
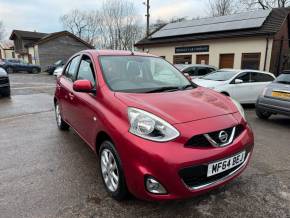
[[70, 70], [86, 70]]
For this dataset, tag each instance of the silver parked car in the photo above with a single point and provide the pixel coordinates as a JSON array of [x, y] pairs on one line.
[[195, 70], [275, 98]]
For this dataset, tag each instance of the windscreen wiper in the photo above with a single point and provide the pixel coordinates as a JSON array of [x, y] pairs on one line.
[[165, 89], [186, 87]]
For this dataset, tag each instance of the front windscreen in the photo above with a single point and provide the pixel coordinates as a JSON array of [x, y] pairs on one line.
[[283, 78], [141, 74]]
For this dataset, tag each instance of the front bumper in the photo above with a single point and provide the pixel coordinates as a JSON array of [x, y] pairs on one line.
[[164, 161]]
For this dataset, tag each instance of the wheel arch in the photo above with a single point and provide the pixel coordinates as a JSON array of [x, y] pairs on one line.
[[225, 93], [101, 137], [54, 100]]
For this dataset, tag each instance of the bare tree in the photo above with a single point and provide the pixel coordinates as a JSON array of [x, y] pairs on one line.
[[120, 26], [75, 21], [221, 7], [114, 26], [84, 24], [2, 30], [265, 4]]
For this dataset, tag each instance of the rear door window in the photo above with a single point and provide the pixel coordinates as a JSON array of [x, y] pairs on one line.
[[261, 77]]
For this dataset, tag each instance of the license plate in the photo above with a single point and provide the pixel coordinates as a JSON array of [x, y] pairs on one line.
[[226, 164], [283, 95]]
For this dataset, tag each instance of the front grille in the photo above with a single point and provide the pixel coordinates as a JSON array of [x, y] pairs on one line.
[[202, 140], [195, 176], [4, 80]]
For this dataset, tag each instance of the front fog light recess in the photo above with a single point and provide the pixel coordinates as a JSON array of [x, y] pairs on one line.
[[154, 187]]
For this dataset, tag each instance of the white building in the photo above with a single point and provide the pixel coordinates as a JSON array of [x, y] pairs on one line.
[[250, 40]]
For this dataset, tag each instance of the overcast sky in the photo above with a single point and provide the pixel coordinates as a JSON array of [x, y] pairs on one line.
[[43, 15]]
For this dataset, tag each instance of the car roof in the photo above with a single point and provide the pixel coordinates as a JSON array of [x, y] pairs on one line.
[[200, 65], [245, 70], [196, 65], [116, 53]]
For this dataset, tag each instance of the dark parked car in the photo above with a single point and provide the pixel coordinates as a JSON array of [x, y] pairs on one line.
[[275, 98], [196, 70], [4, 83], [51, 68], [16, 65]]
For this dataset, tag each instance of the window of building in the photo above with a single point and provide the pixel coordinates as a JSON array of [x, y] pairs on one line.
[[226, 61], [182, 59], [202, 59], [251, 61]]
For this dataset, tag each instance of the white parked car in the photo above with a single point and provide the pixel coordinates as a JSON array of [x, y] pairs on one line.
[[58, 71], [243, 85]]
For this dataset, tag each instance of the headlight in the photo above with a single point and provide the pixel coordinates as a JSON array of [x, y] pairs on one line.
[[149, 126], [240, 108]]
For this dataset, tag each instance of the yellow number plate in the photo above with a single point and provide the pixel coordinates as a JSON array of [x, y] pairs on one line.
[[281, 95]]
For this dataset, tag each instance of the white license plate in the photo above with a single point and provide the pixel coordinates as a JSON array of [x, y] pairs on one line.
[[226, 164]]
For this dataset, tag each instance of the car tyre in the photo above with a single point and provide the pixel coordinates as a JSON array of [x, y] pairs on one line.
[[10, 70], [62, 125], [34, 71], [112, 172], [6, 92], [262, 114]]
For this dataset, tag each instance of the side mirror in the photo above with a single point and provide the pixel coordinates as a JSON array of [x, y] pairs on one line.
[[238, 81], [83, 86]]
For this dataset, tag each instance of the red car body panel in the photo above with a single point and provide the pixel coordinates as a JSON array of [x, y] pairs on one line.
[[164, 104], [191, 112]]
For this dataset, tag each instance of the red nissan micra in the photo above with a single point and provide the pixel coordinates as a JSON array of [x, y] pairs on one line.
[[157, 135]]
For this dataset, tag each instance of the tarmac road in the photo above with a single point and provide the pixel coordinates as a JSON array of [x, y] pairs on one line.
[[48, 173]]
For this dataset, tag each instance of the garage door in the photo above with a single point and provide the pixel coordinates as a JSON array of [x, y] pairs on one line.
[[182, 59], [227, 61], [202, 59]]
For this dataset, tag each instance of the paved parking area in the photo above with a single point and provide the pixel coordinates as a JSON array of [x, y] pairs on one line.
[[48, 173]]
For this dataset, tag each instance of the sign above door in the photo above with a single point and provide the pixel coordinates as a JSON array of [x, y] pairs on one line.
[[192, 49]]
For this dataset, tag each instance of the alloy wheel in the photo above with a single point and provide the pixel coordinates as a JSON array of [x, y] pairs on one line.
[[109, 170], [57, 115]]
